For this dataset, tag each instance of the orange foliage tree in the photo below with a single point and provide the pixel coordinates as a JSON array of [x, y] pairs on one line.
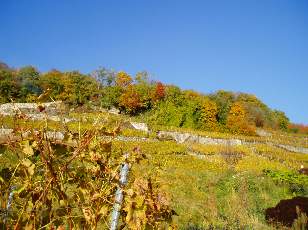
[[159, 92], [237, 120], [298, 128], [130, 100]]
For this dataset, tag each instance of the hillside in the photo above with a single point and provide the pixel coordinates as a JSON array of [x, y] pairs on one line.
[[138, 95], [216, 161]]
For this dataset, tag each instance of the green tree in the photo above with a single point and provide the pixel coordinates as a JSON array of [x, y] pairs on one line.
[[9, 88], [71, 87], [174, 94], [111, 96], [144, 88], [167, 113], [281, 121], [53, 80], [223, 100], [28, 77]]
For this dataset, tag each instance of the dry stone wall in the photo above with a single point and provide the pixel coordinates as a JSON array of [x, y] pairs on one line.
[[51, 108]]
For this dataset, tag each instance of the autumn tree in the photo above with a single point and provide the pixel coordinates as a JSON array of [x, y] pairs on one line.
[[159, 92], [72, 87], [257, 112], [123, 79], [209, 113], [237, 120], [53, 80], [298, 128], [130, 100]]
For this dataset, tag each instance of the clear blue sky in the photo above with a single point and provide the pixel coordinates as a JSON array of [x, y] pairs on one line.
[[254, 46]]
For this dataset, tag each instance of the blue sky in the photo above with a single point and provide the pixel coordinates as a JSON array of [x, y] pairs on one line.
[[254, 46]]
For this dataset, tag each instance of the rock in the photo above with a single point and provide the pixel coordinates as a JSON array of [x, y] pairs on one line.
[[5, 135], [263, 133], [5, 132], [114, 110], [164, 136], [285, 211], [140, 126], [31, 111], [54, 135]]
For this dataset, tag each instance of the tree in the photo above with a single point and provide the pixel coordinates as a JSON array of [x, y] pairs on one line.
[[298, 128], [104, 76], [167, 113], [209, 113], [237, 120], [123, 79], [130, 100], [72, 87], [175, 95], [257, 112], [28, 77], [53, 80], [223, 100], [142, 78], [144, 88], [80, 88], [9, 88], [159, 92], [4, 66], [281, 121], [111, 96]]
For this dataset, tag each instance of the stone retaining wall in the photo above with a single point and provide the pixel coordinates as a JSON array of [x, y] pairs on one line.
[[51, 108]]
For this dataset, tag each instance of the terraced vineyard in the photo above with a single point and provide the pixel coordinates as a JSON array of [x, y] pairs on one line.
[[222, 185]]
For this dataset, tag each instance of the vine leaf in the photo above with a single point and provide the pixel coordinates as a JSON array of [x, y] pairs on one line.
[[28, 164], [27, 148], [104, 210]]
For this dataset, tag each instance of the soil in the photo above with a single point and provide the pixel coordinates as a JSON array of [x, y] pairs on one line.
[[285, 211], [303, 171]]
